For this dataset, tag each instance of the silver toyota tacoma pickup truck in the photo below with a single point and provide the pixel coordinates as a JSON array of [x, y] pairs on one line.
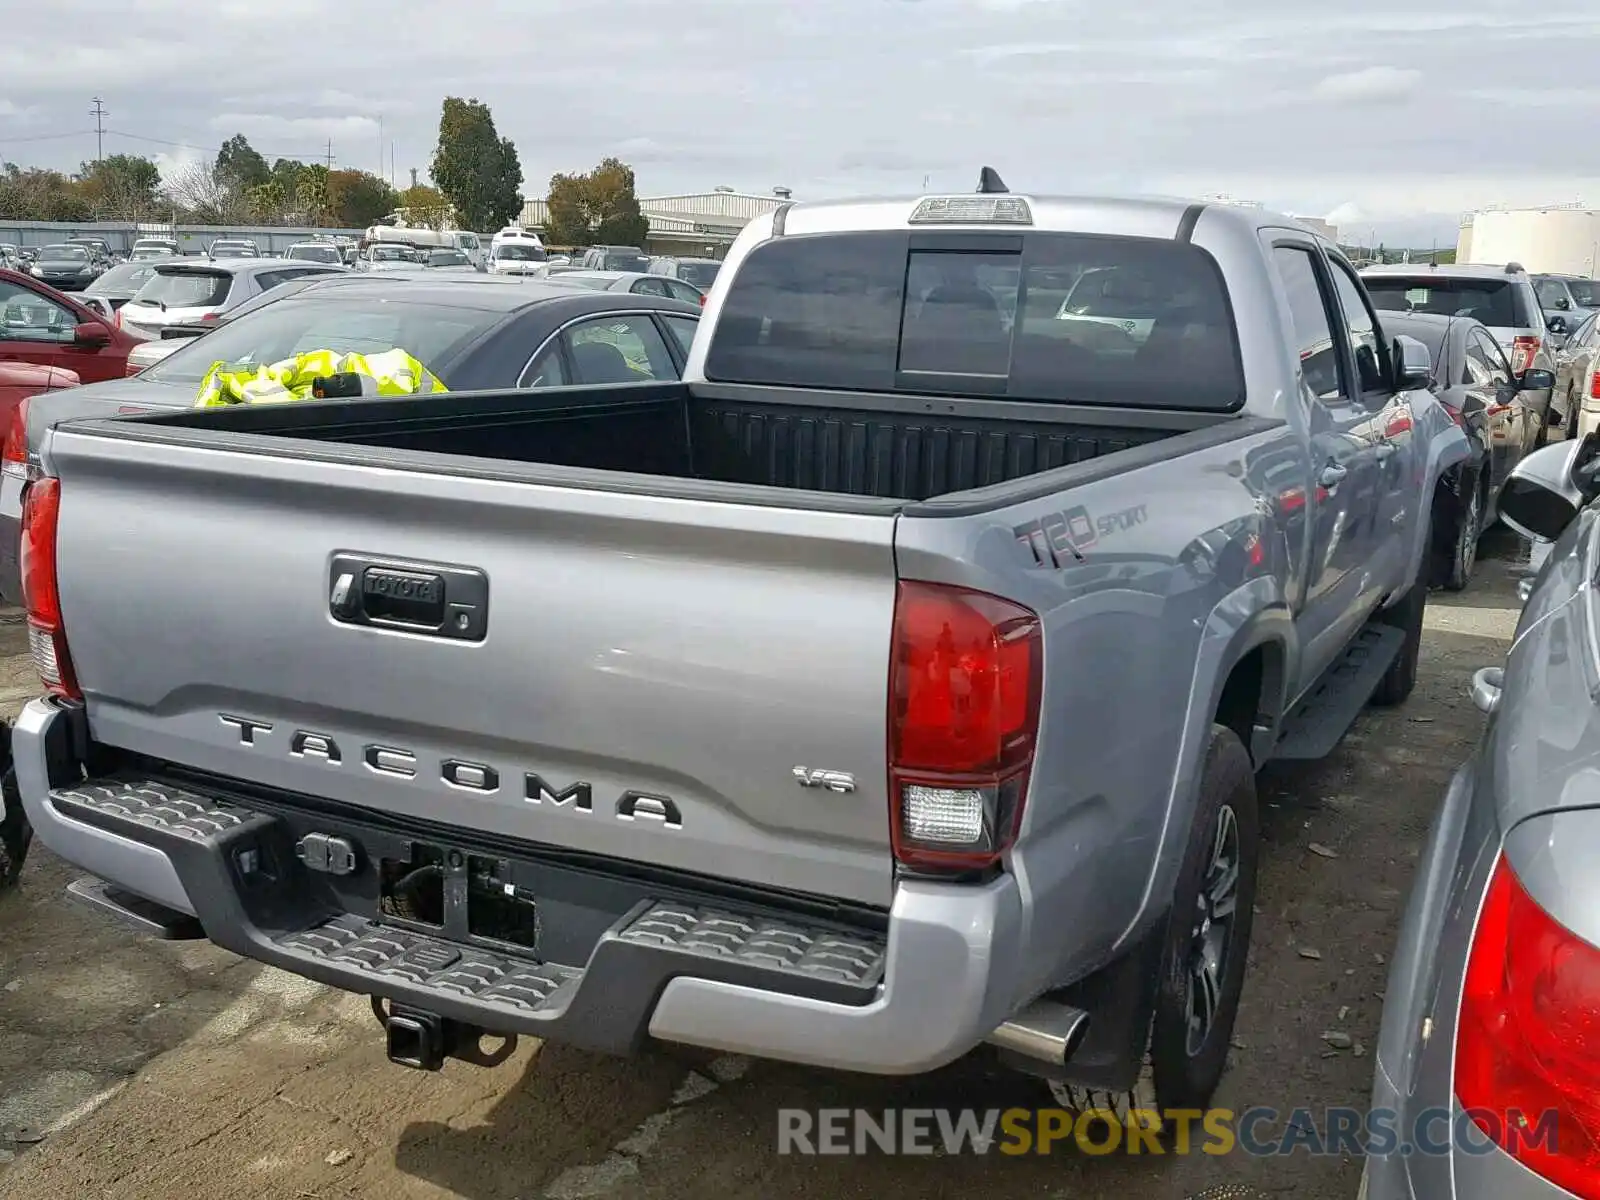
[[894, 685]]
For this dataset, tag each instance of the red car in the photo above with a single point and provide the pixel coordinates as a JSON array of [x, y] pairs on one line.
[[48, 340]]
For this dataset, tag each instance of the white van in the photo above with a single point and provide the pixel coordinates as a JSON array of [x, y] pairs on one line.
[[469, 244], [515, 234]]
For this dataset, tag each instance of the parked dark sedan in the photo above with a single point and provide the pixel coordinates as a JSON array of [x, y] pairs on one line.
[[474, 332], [66, 267], [1475, 384]]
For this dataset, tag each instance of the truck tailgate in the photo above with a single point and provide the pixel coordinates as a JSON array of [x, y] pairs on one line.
[[671, 662]]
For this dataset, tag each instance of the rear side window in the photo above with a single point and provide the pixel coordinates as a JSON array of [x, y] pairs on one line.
[[1039, 316], [1313, 327], [1497, 303]]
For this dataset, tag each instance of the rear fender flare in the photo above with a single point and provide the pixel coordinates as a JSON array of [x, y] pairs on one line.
[[1253, 615]]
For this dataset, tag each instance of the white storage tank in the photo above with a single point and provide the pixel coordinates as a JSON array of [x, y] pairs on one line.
[[1557, 241]]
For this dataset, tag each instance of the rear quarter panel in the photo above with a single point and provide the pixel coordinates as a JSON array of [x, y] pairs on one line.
[[1150, 584]]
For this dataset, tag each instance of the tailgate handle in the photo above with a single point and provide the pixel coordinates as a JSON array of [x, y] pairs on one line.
[[416, 597]]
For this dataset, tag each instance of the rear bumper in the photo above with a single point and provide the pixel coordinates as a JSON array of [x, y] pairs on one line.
[[745, 975]]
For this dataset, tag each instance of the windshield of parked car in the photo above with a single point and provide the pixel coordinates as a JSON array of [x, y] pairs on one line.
[[701, 274], [520, 252], [392, 253], [1064, 317], [63, 253], [320, 254], [1586, 292], [624, 260], [429, 332], [448, 258], [1495, 302], [184, 289], [124, 278]]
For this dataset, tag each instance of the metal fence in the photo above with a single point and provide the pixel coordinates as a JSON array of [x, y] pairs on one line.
[[192, 239]]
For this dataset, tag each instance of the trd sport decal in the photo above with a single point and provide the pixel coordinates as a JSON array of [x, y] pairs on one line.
[[1055, 539]]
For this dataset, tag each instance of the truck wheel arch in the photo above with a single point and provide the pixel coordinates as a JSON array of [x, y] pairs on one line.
[[1249, 644]]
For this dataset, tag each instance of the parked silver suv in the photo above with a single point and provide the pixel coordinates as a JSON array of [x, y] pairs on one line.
[[1503, 298]]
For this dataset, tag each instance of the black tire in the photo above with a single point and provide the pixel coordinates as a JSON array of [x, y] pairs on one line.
[[1571, 426], [1468, 524], [1178, 1071], [1401, 677], [1208, 931], [15, 832]]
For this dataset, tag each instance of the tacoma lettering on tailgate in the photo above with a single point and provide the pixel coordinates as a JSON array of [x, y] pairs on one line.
[[396, 762]]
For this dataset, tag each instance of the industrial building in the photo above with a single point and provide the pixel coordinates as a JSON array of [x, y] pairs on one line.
[[701, 224], [1561, 240]]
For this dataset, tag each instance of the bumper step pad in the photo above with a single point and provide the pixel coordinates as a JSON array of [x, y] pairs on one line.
[[777, 945], [161, 808], [221, 851], [432, 963]]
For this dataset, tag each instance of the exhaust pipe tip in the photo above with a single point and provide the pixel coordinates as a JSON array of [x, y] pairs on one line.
[[1045, 1031]]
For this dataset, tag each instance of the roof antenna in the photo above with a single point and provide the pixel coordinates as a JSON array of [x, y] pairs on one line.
[[990, 183]]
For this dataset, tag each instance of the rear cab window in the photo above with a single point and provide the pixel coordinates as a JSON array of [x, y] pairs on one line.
[[1054, 317]]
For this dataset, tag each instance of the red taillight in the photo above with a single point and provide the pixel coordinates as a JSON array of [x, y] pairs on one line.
[[1594, 385], [14, 455], [702, 299], [1528, 1044], [210, 316], [1523, 351], [36, 556], [965, 677]]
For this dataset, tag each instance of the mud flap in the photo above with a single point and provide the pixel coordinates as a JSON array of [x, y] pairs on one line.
[[15, 832]]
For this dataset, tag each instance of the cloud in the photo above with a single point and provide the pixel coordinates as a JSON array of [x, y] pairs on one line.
[[1369, 86], [1258, 98]]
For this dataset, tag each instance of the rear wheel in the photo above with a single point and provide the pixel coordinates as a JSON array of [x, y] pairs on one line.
[[1469, 528], [1206, 945], [1572, 413]]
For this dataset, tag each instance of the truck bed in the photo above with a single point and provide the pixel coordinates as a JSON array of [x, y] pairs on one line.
[[890, 448]]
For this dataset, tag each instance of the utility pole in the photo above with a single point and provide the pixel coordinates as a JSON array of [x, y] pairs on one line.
[[413, 177], [330, 154], [99, 112]]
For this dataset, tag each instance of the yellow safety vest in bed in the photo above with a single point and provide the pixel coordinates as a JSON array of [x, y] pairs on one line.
[[390, 373]]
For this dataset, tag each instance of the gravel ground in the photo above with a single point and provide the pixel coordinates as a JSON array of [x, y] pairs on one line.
[[131, 1068]]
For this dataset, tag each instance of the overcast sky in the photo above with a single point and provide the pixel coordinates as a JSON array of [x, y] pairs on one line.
[[1390, 116]]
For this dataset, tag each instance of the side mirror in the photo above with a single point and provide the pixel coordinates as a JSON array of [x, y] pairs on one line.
[[1536, 380], [1413, 364], [1556, 324], [1541, 496], [1563, 304], [91, 335]]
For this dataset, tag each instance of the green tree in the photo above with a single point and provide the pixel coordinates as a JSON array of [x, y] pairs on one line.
[[358, 198], [33, 194], [239, 166], [475, 168], [311, 193], [600, 207], [122, 186]]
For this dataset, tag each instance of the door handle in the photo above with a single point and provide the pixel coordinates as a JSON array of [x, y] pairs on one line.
[[1333, 475]]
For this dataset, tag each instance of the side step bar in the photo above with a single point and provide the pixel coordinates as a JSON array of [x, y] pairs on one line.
[[1046, 1031], [1315, 725]]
